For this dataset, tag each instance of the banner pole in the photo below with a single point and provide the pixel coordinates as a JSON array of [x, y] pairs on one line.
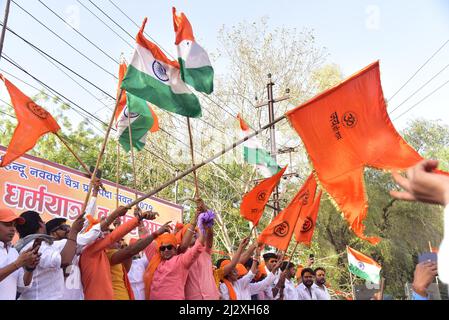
[[100, 156], [132, 153], [188, 171], [118, 175]]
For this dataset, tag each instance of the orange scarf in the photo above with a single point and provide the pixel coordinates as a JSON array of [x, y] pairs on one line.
[[232, 294], [156, 260]]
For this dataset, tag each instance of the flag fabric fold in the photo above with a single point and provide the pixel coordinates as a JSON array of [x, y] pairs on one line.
[[142, 118], [196, 69], [255, 153], [153, 77], [254, 202], [363, 266], [307, 221], [280, 231], [346, 129], [33, 122]]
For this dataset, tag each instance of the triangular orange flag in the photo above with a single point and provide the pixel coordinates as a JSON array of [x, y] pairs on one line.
[[280, 231], [254, 202], [346, 129], [307, 221], [33, 122]]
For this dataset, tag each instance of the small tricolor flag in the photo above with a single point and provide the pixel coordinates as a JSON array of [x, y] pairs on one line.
[[363, 266]]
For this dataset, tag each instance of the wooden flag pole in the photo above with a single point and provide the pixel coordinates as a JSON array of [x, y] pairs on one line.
[[118, 175], [100, 156], [132, 153], [196, 167], [382, 287], [85, 167], [293, 253], [197, 192], [76, 157]]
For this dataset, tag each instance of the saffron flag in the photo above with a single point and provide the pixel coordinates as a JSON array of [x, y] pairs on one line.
[[280, 231], [33, 122], [196, 69], [363, 266], [307, 222], [141, 118], [255, 153], [254, 202], [345, 129], [155, 78]]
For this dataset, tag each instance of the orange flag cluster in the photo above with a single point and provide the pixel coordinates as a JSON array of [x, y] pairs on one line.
[[280, 231], [33, 122], [254, 202], [346, 129]]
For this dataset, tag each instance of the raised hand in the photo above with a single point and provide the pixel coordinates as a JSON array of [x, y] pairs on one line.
[[149, 215], [78, 224], [163, 229]]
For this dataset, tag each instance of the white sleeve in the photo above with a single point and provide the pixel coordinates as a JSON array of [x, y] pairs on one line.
[[257, 287], [51, 255], [246, 280], [91, 207], [224, 291], [84, 239], [443, 252]]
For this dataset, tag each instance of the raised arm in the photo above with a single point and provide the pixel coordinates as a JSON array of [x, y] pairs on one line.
[[187, 239], [119, 212], [69, 250], [248, 253], [236, 257], [140, 245]]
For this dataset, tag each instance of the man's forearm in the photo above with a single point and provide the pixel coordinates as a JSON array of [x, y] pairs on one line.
[[6, 271], [108, 221], [69, 250]]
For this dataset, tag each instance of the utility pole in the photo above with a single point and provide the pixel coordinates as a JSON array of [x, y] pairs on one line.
[[5, 22], [270, 103]]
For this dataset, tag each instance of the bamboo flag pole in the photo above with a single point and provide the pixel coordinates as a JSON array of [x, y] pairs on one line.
[[100, 156], [197, 192], [196, 167], [293, 253], [85, 167], [132, 152], [76, 157], [118, 175]]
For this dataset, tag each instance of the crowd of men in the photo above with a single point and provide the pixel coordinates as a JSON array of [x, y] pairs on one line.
[[89, 259]]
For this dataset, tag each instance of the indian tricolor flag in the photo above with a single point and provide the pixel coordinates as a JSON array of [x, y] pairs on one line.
[[254, 153], [155, 78], [363, 266], [196, 69], [135, 114]]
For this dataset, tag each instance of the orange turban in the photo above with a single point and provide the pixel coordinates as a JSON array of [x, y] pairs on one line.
[[261, 272], [166, 238], [180, 234], [241, 270]]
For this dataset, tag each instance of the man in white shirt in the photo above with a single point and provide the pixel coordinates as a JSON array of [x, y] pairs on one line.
[[284, 288], [271, 259], [10, 261], [319, 286], [305, 290], [48, 278], [423, 184], [243, 288]]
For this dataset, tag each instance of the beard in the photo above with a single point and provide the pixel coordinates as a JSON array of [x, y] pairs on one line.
[[308, 283], [321, 281]]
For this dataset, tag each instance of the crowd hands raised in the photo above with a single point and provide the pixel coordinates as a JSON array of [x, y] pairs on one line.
[[90, 260]]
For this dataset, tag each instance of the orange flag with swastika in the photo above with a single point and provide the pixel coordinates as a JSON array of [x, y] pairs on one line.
[[254, 202], [33, 122], [346, 129], [307, 221], [280, 231]]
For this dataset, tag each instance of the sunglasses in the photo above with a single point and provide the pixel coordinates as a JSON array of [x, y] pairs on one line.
[[163, 248]]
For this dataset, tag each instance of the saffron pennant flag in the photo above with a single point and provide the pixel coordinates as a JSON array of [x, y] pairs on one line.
[[135, 113], [363, 266], [255, 153], [346, 129], [196, 69], [307, 221], [155, 78], [254, 202], [33, 122], [280, 231]]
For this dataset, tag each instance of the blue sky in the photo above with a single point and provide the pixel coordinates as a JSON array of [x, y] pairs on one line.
[[402, 34]]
